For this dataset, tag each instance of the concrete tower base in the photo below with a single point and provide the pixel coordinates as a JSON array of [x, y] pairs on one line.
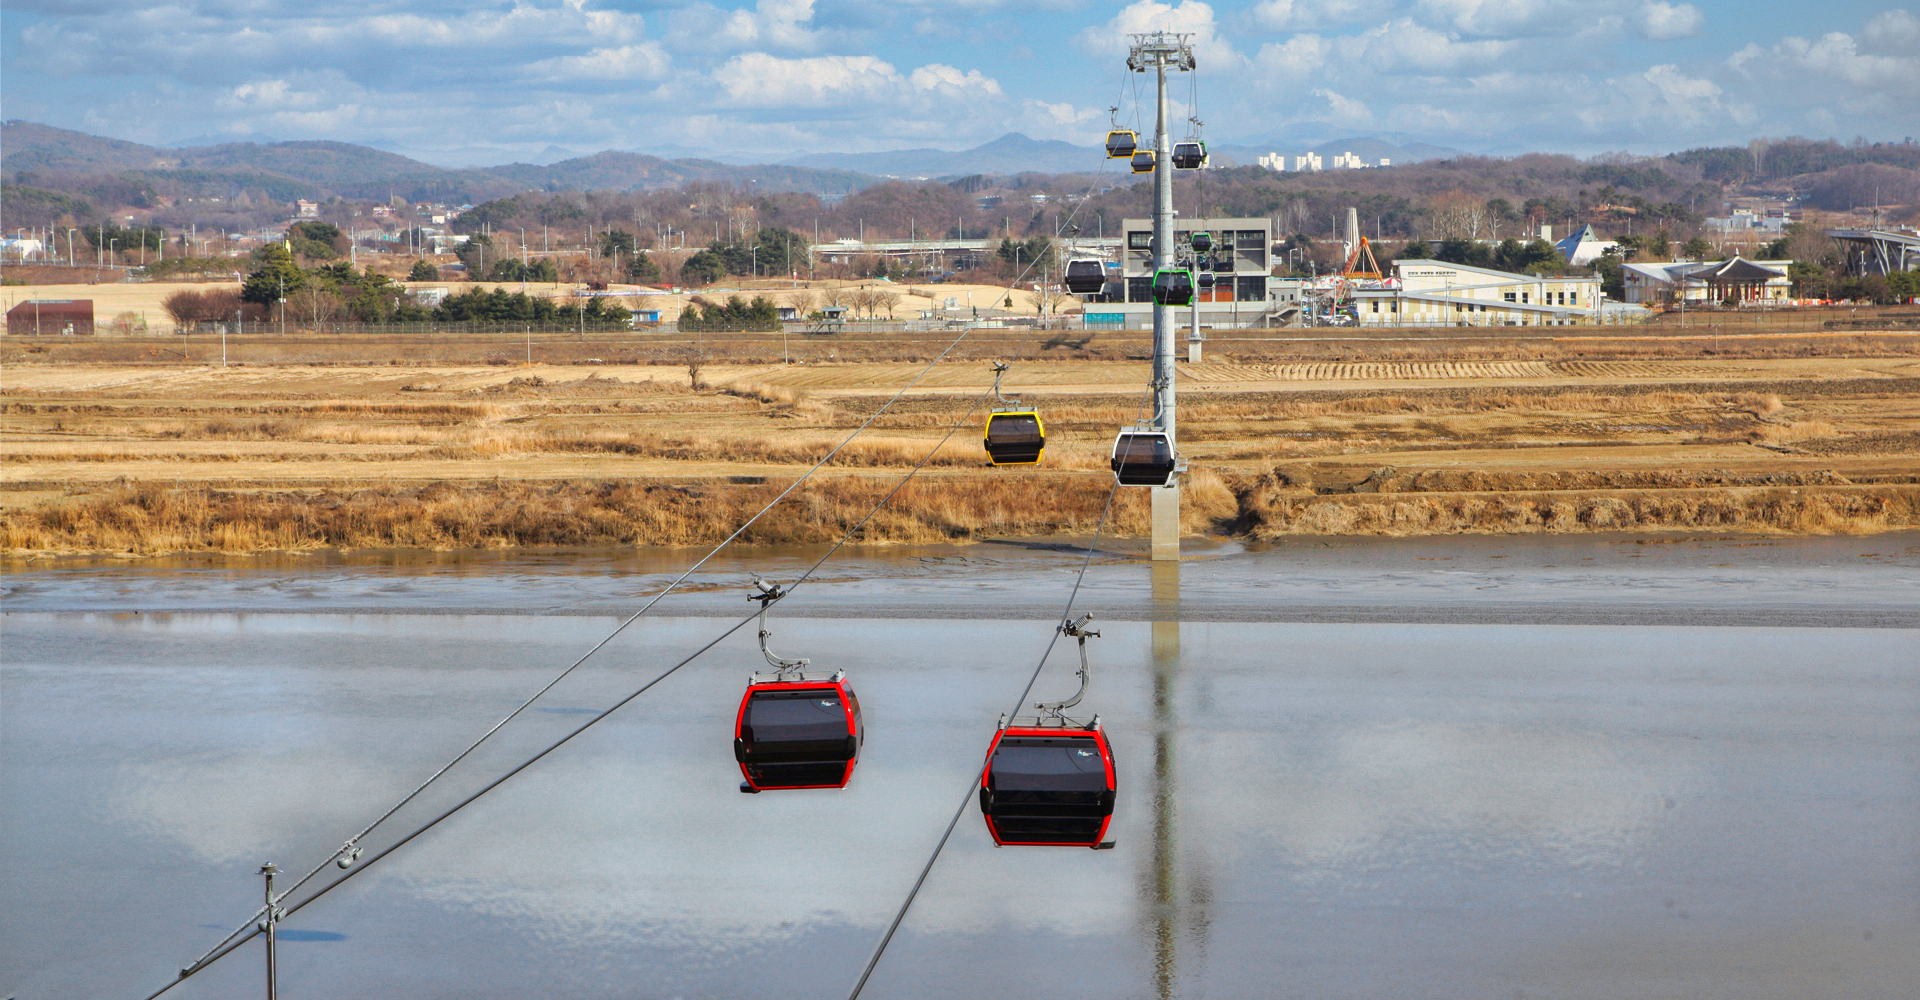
[[1166, 523]]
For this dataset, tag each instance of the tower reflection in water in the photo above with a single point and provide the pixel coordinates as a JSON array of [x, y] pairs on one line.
[[1160, 887]]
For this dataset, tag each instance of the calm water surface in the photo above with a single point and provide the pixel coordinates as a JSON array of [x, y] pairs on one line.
[[1572, 768]]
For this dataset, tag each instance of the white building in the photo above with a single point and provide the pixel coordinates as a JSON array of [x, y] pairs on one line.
[[1701, 282], [20, 248], [1584, 247], [1436, 293], [1312, 161], [1241, 271]]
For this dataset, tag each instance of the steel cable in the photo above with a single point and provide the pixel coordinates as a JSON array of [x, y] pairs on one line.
[[351, 844], [248, 932], [1066, 615]]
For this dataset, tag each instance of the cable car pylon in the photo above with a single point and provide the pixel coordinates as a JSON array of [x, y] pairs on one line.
[[1156, 52]]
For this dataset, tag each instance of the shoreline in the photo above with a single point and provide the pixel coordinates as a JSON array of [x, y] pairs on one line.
[[1602, 578]]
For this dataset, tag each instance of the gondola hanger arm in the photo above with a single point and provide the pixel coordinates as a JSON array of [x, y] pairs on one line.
[[768, 593], [1079, 631]]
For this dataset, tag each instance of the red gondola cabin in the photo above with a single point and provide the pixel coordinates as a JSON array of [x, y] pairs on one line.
[[1049, 786], [802, 733]]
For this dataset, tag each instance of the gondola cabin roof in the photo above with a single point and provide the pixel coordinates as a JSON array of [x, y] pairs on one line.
[[798, 733], [1048, 786]]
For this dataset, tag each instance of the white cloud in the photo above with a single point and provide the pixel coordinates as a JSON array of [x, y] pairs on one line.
[[645, 61], [772, 23], [1893, 33], [1211, 52], [760, 80], [1295, 58], [1344, 110], [1503, 18], [1302, 15], [1838, 57], [1661, 21], [949, 80], [1406, 45]]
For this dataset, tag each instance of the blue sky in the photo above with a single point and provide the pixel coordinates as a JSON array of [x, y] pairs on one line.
[[483, 81]]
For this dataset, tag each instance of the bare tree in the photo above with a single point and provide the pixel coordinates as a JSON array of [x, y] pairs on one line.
[[695, 357], [803, 301], [887, 301]]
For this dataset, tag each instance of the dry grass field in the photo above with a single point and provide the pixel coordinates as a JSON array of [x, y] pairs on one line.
[[136, 456]]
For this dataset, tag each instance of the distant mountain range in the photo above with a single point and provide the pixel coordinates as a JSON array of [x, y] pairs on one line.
[[289, 170], [1012, 153], [319, 169]]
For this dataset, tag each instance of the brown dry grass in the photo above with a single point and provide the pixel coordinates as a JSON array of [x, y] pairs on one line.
[[1265, 463], [1271, 508], [148, 518]]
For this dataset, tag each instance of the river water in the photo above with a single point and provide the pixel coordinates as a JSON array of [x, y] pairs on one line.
[[1562, 767]]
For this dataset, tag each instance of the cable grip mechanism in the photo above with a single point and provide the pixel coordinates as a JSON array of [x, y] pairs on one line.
[[767, 595], [1079, 631]]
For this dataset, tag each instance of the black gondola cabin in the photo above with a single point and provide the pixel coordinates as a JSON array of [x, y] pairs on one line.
[[1086, 276], [1015, 437], [1048, 786], [1173, 288], [1143, 458], [798, 733], [1189, 155]]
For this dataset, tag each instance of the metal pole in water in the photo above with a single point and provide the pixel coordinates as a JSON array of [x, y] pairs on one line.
[[269, 925]]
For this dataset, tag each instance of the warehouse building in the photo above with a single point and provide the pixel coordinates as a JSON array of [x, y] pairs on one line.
[[48, 317], [1438, 293]]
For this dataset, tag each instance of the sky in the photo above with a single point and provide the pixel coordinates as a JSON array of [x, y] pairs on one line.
[[464, 82]]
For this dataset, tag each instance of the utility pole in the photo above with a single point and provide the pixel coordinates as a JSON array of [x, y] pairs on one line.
[[270, 925], [1157, 51]]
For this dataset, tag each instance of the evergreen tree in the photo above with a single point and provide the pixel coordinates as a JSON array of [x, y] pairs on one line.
[[423, 271], [277, 277]]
